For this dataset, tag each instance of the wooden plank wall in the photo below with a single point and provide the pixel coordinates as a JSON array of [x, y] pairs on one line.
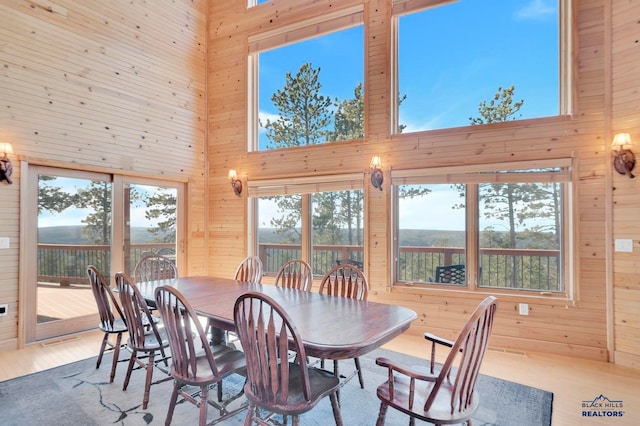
[[625, 110], [102, 86], [561, 327]]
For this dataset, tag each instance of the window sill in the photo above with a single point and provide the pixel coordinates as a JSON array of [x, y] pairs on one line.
[[505, 295]]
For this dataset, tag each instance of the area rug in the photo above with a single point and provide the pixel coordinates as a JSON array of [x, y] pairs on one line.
[[79, 394]]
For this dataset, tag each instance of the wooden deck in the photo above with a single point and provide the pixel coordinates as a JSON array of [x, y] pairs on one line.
[[56, 302]]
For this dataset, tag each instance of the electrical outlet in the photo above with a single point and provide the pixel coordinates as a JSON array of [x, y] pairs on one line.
[[624, 245], [4, 310], [523, 309]]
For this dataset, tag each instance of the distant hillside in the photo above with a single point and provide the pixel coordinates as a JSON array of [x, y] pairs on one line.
[[73, 235], [408, 237]]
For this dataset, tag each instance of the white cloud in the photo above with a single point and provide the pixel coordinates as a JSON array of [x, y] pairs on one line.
[[264, 116], [536, 10]]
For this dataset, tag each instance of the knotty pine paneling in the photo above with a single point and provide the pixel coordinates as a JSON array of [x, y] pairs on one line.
[[118, 85], [625, 57], [556, 326]]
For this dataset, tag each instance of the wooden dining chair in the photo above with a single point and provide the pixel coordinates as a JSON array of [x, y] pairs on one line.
[[447, 396], [193, 361], [346, 280], [295, 274], [288, 388], [110, 323], [152, 267], [146, 337], [250, 269]]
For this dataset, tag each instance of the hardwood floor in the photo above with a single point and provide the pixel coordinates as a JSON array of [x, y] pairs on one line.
[[571, 380]]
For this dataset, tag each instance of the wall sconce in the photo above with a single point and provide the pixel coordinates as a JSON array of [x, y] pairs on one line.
[[236, 183], [377, 177], [624, 160], [6, 169]]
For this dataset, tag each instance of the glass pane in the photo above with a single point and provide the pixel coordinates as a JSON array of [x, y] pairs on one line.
[[311, 92], [431, 234], [279, 230], [150, 223], [74, 231], [337, 232], [520, 235], [455, 56]]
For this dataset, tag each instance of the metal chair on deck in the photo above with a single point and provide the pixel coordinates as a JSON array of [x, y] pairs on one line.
[[451, 274]]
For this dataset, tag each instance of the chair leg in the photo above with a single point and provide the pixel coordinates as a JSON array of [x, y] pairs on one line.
[[336, 409], [116, 355], [147, 383], [250, 413], [103, 346], [204, 395], [336, 373], [360, 378], [382, 415], [295, 421], [132, 361], [219, 386], [172, 403]]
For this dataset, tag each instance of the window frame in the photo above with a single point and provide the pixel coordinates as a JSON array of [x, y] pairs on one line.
[[31, 170], [473, 174], [274, 38], [305, 186], [566, 60]]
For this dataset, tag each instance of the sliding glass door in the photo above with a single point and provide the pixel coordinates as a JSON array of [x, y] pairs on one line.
[[75, 219]]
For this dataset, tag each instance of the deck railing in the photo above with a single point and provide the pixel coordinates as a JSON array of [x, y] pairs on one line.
[[67, 264], [498, 267]]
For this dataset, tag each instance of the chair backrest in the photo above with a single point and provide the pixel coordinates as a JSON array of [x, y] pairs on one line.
[[295, 274], [250, 269], [104, 297], [266, 334], [469, 349], [345, 280], [187, 338], [154, 267], [140, 322], [453, 274]]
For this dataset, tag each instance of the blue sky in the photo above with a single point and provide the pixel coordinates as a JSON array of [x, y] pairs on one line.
[[451, 58]]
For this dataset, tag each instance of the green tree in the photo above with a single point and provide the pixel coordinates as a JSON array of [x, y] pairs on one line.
[[349, 117], [499, 109], [161, 205], [97, 197], [304, 115], [52, 198]]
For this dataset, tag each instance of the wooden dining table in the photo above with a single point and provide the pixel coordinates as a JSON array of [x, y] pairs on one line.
[[331, 327]]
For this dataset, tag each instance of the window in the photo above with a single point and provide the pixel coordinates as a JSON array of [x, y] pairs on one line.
[[256, 2], [504, 229], [452, 57], [307, 84], [81, 218], [319, 220]]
